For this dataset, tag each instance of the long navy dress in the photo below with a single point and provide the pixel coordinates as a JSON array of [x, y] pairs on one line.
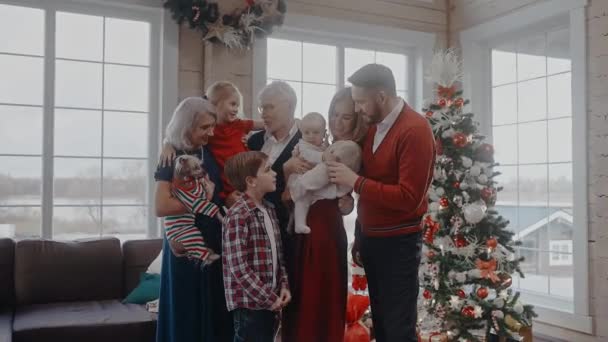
[[192, 305]]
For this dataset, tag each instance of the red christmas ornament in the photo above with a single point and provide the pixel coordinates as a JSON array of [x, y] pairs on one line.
[[430, 254], [505, 280], [461, 294], [460, 241], [485, 153], [427, 294], [443, 102], [487, 193], [456, 185], [460, 139], [250, 2], [492, 243], [482, 292], [459, 102], [468, 311], [444, 202], [429, 114]]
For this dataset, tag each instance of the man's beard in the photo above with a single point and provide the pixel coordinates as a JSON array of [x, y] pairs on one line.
[[375, 116]]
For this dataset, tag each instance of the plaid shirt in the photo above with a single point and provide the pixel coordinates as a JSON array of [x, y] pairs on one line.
[[247, 257]]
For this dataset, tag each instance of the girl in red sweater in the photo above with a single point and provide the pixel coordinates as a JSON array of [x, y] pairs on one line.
[[227, 139]]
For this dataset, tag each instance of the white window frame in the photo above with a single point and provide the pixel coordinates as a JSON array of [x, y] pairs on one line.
[[564, 258], [476, 43], [163, 80], [418, 46]]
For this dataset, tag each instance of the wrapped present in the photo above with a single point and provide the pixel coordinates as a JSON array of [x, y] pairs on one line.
[[356, 330]]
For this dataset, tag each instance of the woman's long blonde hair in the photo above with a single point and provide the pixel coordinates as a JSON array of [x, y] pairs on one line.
[[360, 129]]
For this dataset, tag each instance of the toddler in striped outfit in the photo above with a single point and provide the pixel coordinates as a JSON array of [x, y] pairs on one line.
[[189, 188]]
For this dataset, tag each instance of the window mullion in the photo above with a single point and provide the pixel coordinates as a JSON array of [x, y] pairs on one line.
[[103, 115], [547, 181], [340, 66], [48, 120]]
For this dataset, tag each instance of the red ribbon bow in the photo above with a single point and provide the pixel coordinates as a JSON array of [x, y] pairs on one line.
[[447, 92], [487, 269]]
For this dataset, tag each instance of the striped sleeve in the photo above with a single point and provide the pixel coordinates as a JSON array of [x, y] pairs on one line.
[[196, 201]]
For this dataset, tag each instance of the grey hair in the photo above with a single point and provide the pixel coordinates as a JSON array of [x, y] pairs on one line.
[[184, 118], [283, 89]]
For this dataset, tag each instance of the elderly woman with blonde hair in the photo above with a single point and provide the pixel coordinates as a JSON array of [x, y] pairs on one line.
[[192, 305]]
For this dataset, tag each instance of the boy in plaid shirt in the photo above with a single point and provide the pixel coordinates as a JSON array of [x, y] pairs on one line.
[[255, 279]]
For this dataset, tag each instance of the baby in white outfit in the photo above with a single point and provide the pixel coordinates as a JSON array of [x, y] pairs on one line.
[[314, 185]]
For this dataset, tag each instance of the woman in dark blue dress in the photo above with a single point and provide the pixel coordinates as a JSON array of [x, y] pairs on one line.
[[192, 306]]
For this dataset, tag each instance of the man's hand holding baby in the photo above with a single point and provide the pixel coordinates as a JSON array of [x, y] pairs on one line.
[[341, 174]]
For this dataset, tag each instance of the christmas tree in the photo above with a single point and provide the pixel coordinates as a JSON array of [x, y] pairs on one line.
[[468, 255]]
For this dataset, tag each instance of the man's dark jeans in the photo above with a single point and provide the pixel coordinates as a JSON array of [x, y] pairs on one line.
[[391, 266]]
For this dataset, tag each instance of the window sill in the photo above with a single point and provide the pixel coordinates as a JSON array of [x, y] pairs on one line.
[[555, 317]]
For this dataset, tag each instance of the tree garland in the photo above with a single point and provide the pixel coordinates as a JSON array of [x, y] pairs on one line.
[[237, 29]]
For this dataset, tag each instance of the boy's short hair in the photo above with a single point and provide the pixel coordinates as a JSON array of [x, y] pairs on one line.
[[243, 165]]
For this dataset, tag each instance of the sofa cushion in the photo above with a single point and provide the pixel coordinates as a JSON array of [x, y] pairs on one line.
[[84, 321], [137, 256], [6, 325], [54, 271], [148, 290], [7, 265]]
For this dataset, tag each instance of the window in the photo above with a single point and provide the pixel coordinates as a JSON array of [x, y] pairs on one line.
[[561, 253], [314, 70], [532, 134], [75, 121]]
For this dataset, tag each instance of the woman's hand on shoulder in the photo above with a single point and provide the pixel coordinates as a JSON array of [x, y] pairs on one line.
[[167, 155]]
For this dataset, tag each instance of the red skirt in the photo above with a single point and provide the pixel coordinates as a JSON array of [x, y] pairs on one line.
[[318, 279]]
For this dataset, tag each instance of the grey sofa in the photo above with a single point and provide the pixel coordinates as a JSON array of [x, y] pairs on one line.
[[72, 291]]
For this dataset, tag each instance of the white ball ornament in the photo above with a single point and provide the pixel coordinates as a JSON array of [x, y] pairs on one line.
[[466, 162], [483, 179], [474, 213], [475, 171]]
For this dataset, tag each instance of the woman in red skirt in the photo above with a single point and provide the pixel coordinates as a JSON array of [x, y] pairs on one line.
[[318, 274]]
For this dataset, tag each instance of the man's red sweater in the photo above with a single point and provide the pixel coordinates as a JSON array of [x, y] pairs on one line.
[[395, 179]]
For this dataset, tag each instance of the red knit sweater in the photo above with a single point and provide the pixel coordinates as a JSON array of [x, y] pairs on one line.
[[395, 179]]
